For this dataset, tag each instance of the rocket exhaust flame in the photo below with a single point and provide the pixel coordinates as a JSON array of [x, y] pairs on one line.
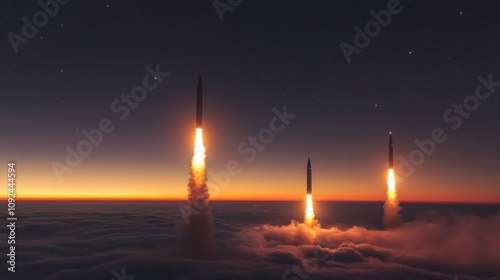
[[309, 218], [391, 184], [198, 160]]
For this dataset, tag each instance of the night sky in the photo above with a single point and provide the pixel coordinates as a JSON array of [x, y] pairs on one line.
[[262, 55]]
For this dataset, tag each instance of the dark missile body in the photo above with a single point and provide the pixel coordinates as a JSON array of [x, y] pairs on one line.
[[309, 183], [199, 104], [390, 150]]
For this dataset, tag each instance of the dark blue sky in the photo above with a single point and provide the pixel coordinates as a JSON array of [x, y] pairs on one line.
[[264, 54]]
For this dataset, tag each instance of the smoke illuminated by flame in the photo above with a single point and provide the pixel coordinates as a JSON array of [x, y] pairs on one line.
[[198, 190], [309, 218], [197, 231], [392, 218]]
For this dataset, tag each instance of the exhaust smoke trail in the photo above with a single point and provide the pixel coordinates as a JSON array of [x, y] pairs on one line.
[[198, 233], [392, 218]]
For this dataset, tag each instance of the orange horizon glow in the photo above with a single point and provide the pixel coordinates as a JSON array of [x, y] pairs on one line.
[[267, 199], [103, 181], [152, 184]]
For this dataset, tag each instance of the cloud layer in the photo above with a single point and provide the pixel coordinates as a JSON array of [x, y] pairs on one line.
[[90, 240]]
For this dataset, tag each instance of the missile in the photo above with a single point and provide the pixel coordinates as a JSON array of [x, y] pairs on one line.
[[309, 185], [199, 103], [390, 150]]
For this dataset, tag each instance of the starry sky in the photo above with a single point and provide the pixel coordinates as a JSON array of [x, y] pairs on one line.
[[262, 55]]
